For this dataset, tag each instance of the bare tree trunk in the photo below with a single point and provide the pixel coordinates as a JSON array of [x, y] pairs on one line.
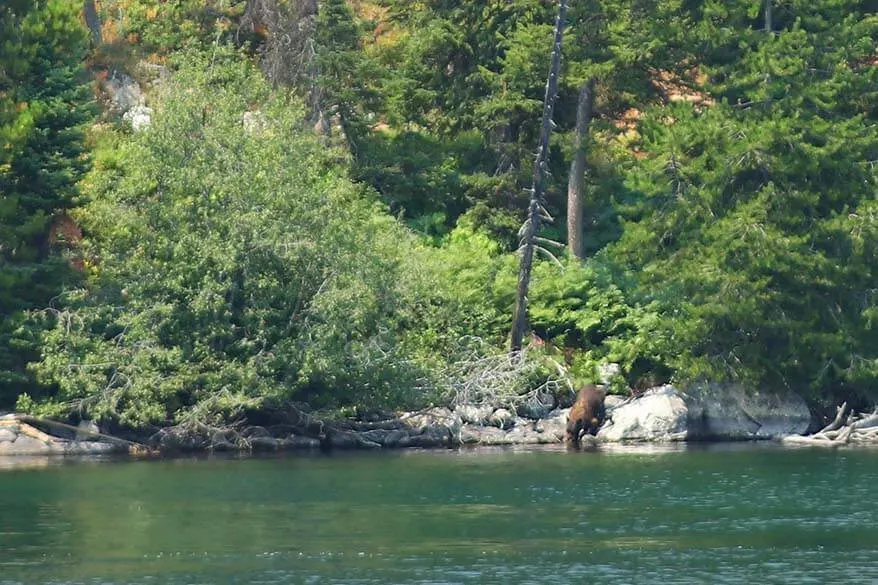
[[532, 223], [93, 21], [288, 52], [576, 181], [768, 23]]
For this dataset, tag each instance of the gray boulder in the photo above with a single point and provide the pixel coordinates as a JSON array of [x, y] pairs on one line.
[[554, 426], [536, 407], [124, 92], [433, 427], [431, 417], [730, 411], [25, 445]]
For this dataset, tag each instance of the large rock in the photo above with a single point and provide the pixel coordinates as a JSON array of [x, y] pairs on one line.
[[124, 92], [554, 426], [727, 411], [659, 414], [434, 427], [537, 406], [25, 445], [706, 412]]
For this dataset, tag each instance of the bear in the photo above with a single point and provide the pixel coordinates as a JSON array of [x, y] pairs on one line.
[[587, 414]]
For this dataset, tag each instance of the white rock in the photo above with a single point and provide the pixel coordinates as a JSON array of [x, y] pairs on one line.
[[139, 117], [659, 414], [428, 420]]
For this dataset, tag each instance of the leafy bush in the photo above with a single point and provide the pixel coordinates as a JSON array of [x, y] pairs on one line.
[[230, 259]]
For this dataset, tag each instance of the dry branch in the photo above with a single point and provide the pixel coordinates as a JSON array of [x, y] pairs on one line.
[[481, 378], [847, 427]]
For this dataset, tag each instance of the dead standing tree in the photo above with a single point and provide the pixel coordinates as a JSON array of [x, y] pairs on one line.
[[576, 181], [93, 21], [535, 210], [289, 51]]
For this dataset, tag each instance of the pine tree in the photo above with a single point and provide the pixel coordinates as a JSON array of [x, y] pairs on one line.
[[758, 219], [43, 108]]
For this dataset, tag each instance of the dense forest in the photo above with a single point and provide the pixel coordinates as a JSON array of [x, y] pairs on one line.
[[326, 205]]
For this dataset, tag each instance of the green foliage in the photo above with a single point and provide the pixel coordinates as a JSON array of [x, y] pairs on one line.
[[234, 265], [730, 201], [751, 222], [586, 306], [160, 28], [479, 69], [43, 109]]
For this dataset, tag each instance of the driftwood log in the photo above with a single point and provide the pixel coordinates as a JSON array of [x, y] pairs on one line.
[[847, 428]]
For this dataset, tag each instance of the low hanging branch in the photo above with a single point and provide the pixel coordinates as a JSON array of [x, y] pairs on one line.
[[848, 427], [532, 223]]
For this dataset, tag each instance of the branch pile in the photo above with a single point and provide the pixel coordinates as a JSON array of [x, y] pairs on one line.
[[481, 378], [849, 427]]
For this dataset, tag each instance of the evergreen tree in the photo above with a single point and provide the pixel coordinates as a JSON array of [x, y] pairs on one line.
[[757, 226], [43, 109]]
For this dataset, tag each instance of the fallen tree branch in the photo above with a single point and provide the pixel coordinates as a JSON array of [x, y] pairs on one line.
[[847, 427], [30, 422]]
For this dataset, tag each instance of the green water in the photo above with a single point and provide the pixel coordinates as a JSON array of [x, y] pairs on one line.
[[720, 515]]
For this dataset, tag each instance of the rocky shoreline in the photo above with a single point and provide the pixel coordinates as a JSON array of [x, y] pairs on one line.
[[658, 415], [20, 436]]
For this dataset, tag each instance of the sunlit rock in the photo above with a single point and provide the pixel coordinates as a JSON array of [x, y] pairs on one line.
[[139, 117], [659, 414]]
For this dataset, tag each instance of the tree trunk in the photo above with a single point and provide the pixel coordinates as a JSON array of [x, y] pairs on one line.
[[576, 181], [532, 223], [768, 23], [93, 21]]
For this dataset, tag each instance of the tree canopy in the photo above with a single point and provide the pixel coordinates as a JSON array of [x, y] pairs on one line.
[[44, 107], [327, 203]]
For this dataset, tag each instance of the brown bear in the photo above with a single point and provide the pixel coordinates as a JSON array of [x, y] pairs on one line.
[[587, 414]]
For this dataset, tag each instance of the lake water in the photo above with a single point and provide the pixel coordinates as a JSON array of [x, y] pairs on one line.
[[725, 514]]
